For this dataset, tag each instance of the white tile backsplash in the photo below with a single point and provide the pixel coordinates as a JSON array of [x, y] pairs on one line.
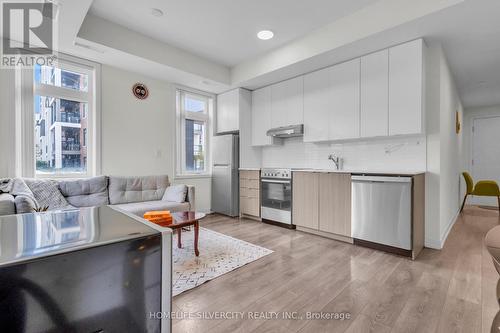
[[387, 154]]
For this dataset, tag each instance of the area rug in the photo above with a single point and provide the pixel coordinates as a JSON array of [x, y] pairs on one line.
[[219, 254]]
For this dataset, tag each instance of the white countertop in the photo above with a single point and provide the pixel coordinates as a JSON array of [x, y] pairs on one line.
[[352, 171], [370, 172]]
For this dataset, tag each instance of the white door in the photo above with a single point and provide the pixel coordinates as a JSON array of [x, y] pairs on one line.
[[228, 111], [317, 105], [261, 116], [486, 154], [374, 94], [287, 102], [344, 113], [405, 88]]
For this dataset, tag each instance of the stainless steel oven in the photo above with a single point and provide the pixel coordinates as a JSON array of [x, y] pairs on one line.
[[276, 204]]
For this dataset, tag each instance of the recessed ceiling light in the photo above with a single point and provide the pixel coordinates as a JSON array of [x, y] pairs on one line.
[[156, 12], [265, 34]]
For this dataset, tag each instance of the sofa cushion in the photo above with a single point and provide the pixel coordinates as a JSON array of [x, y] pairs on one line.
[[136, 189], [139, 208], [175, 193], [25, 204], [46, 193], [86, 192], [7, 204]]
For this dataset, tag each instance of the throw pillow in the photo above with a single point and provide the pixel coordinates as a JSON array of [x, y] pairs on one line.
[[46, 193], [175, 193], [5, 185], [23, 197]]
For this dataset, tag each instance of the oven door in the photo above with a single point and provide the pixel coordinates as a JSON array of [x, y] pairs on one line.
[[277, 200]]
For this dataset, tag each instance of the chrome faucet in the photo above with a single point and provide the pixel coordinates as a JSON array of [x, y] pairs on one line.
[[335, 159]]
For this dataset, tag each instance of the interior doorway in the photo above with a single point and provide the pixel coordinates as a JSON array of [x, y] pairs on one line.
[[485, 161]]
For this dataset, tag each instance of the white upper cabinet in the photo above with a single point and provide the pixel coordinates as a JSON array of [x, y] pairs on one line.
[[344, 110], [228, 111], [317, 105], [261, 116], [380, 94], [288, 102], [405, 88], [374, 115], [331, 103]]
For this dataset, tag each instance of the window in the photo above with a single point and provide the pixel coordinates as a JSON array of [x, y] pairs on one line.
[[193, 110], [63, 114]]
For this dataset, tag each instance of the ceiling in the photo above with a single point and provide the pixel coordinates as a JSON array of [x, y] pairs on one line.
[[469, 33], [220, 51], [224, 31]]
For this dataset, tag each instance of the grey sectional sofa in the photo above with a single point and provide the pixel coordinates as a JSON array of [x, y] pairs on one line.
[[136, 195]]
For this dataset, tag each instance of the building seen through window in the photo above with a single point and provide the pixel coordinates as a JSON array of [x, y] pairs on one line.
[[60, 123]]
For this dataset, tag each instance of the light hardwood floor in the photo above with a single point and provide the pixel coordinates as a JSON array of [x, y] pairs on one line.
[[452, 290]]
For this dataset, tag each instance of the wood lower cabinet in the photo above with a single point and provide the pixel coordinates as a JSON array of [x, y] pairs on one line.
[[305, 196], [250, 193], [322, 202], [335, 203]]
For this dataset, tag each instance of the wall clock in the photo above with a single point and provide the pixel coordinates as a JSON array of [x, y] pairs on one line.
[[140, 91]]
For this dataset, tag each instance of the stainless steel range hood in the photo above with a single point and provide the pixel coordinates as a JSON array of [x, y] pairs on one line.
[[286, 131]]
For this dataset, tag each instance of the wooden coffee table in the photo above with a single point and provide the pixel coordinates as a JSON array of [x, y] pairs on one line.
[[185, 219]]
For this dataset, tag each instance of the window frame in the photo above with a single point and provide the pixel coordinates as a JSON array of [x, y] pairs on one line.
[[27, 89], [181, 116]]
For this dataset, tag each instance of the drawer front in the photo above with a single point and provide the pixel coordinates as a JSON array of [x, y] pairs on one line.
[[250, 206], [253, 183], [249, 174], [249, 183], [246, 192]]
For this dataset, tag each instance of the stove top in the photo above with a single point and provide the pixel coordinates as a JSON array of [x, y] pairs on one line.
[[276, 173]]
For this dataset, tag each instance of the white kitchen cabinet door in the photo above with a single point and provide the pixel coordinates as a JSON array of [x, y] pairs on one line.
[[261, 116], [374, 115], [317, 105], [228, 111], [405, 88], [344, 109], [288, 102]]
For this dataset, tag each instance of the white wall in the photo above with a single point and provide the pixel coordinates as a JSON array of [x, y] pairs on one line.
[[432, 177], [138, 136], [444, 149], [391, 154], [451, 147]]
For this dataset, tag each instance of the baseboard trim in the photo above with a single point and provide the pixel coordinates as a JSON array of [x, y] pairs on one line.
[[446, 232], [438, 244], [250, 217], [433, 244], [382, 247], [279, 224], [326, 234]]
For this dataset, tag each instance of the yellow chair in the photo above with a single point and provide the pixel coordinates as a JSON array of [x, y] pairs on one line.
[[484, 188]]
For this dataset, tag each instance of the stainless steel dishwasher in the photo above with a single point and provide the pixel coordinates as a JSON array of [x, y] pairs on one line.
[[381, 211]]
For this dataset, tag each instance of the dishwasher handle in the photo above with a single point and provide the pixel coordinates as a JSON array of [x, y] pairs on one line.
[[379, 179]]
